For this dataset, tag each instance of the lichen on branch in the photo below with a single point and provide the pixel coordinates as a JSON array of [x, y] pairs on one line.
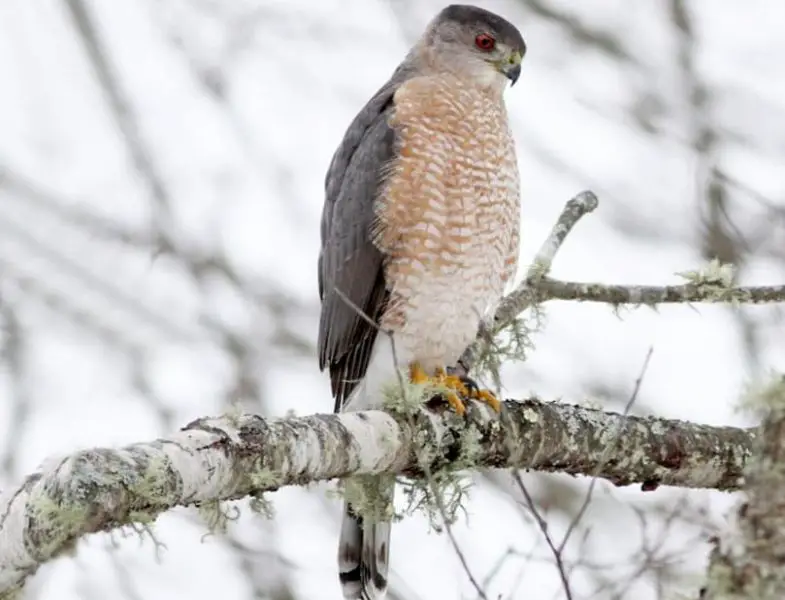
[[228, 458], [748, 561]]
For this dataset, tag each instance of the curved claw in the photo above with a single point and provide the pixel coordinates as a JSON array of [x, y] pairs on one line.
[[457, 404], [481, 395]]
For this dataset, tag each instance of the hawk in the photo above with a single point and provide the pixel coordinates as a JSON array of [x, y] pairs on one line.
[[419, 232]]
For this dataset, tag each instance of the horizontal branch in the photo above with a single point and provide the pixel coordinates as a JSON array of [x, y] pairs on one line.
[[232, 457], [552, 289]]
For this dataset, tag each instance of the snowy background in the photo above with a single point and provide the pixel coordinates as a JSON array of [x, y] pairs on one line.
[[161, 169]]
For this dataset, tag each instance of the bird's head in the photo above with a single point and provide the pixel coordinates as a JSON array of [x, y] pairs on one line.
[[475, 43]]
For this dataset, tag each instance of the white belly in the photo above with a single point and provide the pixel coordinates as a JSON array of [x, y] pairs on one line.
[[439, 326], [443, 318]]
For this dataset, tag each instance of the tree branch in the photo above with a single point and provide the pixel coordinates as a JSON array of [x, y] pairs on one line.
[[232, 457], [709, 285], [552, 289]]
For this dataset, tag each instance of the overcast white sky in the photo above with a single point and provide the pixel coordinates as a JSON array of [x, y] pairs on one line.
[[238, 107]]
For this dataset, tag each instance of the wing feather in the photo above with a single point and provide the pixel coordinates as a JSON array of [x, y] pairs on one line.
[[350, 265]]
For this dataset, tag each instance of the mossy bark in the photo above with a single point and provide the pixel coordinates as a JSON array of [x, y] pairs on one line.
[[240, 455]]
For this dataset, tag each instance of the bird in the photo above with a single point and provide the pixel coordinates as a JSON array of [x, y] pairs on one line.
[[419, 234]]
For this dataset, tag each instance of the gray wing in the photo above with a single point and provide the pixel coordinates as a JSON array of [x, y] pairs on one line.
[[348, 260]]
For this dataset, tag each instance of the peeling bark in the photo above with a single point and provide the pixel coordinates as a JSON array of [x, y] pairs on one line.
[[232, 457]]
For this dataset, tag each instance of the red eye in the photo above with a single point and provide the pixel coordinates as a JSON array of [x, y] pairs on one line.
[[485, 42]]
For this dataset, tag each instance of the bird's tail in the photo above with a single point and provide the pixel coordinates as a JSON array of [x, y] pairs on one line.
[[363, 553]]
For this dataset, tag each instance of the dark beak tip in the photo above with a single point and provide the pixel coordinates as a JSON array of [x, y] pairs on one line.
[[513, 74]]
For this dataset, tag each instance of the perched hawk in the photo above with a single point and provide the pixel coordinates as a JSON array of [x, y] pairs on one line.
[[419, 235]]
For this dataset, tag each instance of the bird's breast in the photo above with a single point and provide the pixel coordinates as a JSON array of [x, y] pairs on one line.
[[448, 210]]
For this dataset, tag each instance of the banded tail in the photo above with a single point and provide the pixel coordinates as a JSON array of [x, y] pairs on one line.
[[363, 555]]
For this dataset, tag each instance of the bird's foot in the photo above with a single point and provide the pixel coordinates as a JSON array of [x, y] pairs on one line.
[[459, 388], [455, 391]]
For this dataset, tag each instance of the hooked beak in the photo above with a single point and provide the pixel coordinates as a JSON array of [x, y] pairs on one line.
[[511, 68]]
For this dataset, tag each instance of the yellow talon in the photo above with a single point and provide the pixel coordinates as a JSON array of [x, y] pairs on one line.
[[489, 398], [417, 375], [457, 404], [457, 389], [452, 382], [457, 386]]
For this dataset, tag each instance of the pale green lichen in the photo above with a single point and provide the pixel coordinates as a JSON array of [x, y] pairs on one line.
[[537, 270], [471, 448], [715, 282], [217, 515], [765, 395], [263, 479], [724, 584], [512, 342], [14, 593], [403, 397], [335, 493], [715, 273], [371, 496], [152, 485], [448, 486], [748, 566], [440, 494], [55, 520], [138, 530], [142, 517], [260, 505], [621, 310]]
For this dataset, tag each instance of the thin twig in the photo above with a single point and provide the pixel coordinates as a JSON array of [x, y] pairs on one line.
[[443, 512], [553, 289], [608, 450], [543, 525]]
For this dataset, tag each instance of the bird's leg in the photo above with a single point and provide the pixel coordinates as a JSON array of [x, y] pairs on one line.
[[418, 375]]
